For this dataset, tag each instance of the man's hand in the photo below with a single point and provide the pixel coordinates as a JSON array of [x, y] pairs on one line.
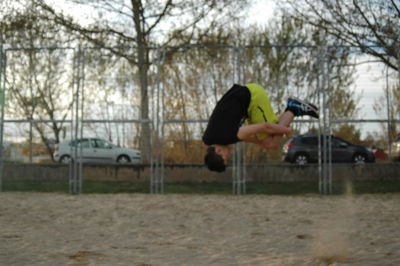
[[271, 142]]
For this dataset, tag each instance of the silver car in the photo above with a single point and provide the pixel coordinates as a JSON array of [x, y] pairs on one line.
[[95, 150]]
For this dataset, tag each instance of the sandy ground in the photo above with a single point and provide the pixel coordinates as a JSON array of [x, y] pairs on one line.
[[134, 229]]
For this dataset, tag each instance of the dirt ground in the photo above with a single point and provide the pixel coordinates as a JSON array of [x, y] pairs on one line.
[[140, 229]]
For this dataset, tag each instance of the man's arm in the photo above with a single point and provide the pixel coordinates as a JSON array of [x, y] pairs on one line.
[[246, 132], [252, 139]]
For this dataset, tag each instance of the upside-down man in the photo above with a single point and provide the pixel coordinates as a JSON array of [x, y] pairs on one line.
[[251, 103]]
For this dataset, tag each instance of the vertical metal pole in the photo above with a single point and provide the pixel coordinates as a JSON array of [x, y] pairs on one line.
[[75, 160], [152, 154], [152, 139], [30, 137], [324, 138], [238, 167], [162, 114], [76, 163], [2, 102], [157, 178], [325, 175], [158, 173], [33, 106], [320, 136], [244, 170], [388, 113], [398, 67], [82, 88], [236, 78], [71, 175], [329, 129], [76, 127], [398, 64]]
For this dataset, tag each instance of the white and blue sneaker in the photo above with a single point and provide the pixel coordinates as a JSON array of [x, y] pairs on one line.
[[300, 108]]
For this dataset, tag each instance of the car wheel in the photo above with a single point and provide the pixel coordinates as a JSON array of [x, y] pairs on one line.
[[301, 159], [123, 159], [65, 159], [359, 158]]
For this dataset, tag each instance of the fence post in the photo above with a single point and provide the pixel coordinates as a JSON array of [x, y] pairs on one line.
[[324, 142], [157, 166], [75, 173], [239, 151], [2, 102], [388, 111]]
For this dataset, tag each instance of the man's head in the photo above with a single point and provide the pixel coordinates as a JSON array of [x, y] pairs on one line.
[[217, 157]]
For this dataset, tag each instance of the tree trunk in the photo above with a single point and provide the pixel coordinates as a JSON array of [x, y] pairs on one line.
[[143, 65], [144, 104]]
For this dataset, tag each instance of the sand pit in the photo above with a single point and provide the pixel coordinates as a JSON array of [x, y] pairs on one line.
[[135, 229]]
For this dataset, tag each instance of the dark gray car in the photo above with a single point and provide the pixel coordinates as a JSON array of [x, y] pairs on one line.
[[303, 149]]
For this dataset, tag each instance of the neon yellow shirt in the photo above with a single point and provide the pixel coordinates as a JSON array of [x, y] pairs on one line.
[[260, 109]]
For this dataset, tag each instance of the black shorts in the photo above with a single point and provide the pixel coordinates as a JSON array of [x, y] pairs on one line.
[[227, 117]]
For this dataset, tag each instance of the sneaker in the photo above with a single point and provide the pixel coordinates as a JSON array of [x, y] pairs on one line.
[[300, 108]]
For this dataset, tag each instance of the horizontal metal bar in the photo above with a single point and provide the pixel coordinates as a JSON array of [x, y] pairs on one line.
[[187, 121], [70, 121], [39, 48], [365, 121], [296, 121], [35, 121], [186, 46], [118, 121]]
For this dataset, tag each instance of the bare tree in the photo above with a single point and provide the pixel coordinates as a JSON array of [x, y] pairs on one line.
[[37, 79], [372, 26], [114, 24]]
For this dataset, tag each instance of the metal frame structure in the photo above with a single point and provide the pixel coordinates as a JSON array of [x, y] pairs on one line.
[[158, 121], [157, 163], [75, 166], [324, 151], [3, 63], [239, 175]]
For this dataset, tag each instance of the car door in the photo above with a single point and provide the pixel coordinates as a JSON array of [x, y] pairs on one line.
[[104, 150], [310, 145], [340, 150], [84, 146]]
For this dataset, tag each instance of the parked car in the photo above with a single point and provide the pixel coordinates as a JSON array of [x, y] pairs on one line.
[[303, 149], [95, 150], [396, 149]]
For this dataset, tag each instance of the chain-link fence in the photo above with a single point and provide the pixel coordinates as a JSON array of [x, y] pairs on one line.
[[54, 95]]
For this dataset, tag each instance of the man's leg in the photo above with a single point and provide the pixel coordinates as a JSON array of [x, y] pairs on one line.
[[272, 142], [286, 118], [295, 107]]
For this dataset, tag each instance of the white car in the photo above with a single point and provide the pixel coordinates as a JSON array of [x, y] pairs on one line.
[[396, 149], [95, 150]]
